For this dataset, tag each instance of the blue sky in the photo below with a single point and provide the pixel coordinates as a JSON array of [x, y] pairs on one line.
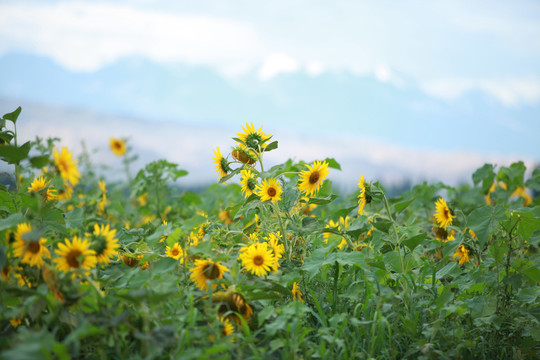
[[448, 80]]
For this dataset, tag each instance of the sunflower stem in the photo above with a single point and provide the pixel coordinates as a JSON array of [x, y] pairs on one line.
[[396, 236]]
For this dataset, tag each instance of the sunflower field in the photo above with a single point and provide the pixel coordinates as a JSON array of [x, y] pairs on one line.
[[268, 263]]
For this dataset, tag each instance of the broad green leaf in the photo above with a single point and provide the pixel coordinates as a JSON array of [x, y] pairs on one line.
[[322, 201], [39, 162], [486, 175], [11, 221], [272, 146], [484, 220], [512, 175], [399, 207], [13, 154], [414, 241], [332, 163], [13, 116], [74, 218]]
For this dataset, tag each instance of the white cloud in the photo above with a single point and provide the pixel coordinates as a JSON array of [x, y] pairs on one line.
[[277, 63], [511, 92], [315, 68], [86, 36]]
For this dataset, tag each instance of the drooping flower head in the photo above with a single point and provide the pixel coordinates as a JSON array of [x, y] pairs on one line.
[[312, 179], [269, 190], [443, 215], [258, 259], [222, 165], [244, 155], [75, 255], [118, 146], [104, 243], [30, 250], [175, 252], [362, 200], [463, 253], [248, 182], [207, 270], [255, 140], [66, 166], [232, 303]]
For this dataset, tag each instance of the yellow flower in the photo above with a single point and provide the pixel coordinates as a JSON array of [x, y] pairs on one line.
[[442, 235], [523, 193], [228, 327], [258, 259], [248, 182], [102, 186], [341, 225], [462, 253], [362, 200], [443, 216], [175, 252], [269, 190], [207, 270], [66, 193], [312, 179], [222, 165], [143, 199], [104, 243], [225, 216], [297, 294], [15, 322], [66, 166], [75, 255], [118, 146], [255, 140], [30, 250], [38, 184]]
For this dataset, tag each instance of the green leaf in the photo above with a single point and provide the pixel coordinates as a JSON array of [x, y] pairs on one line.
[[486, 175], [322, 201], [13, 116], [310, 224], [3, 257], [13, 154], [11, 221], [332, 163], [528, 223], [74, 218], [39, 161], [534, 181], [392, 259], [414, 241], [484, 220], [512, 175], [382, 225], [403, 205], [272, 146]]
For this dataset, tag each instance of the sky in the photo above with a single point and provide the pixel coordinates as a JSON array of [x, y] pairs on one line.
[[436, 88]]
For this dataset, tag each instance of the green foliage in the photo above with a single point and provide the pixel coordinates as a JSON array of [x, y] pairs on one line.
[[389, 283]]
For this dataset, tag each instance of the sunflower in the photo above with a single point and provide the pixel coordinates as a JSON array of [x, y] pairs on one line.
[[269, 190], [65, 194], [258, 259], [443, 215], [520, 191], [118, 146], [225, 216], [248, 182], [442, 235], [66, 166], [38, 184], [312, 179], [255, 140], [75, 255], [362, 200], [222, 165], [207, 270], [342, 224], [175, 252], [228, 328], [30, 250], [104, 243], [244, 155], [297, 294], [462, 253], [232, 303]]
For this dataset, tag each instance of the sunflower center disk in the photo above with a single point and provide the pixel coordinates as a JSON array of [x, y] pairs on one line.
[[211, 271], [271, 192], [72, 258], [314, 177], [175, 252], [34, 247], [258, 260]]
